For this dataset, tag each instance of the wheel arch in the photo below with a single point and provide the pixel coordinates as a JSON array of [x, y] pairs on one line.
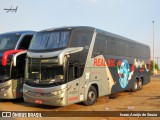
[[142, 78], [137, 78], [95, 84]]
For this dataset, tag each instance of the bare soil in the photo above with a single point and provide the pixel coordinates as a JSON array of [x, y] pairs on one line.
[[148, 99]]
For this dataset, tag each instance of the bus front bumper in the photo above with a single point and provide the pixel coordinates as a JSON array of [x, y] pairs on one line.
[[45, 98], [11, 89], [6, 90]]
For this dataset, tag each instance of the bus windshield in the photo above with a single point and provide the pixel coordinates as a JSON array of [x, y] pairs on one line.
[[41, 71], [50, 40], [8, 42]]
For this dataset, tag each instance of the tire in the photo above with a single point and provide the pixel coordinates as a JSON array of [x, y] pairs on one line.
[[91, 96], [135, 87], [140, 85]]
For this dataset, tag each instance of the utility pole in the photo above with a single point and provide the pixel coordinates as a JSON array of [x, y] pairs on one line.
[[153, 50]]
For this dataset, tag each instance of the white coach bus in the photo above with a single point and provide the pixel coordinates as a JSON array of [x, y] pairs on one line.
[[78, 64], [13, 49]]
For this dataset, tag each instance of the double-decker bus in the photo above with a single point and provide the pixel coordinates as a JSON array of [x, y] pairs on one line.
[[79, 64], [13, 46]]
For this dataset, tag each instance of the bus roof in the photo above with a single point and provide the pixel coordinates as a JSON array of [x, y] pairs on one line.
[[69, 28], [92, 29], [19, 32]]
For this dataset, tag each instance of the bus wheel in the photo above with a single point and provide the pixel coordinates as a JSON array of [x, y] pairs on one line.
[[91, 96], [135, 87], [140, 85]]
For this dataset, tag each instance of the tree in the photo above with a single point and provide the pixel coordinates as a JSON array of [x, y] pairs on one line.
[[155, 64]]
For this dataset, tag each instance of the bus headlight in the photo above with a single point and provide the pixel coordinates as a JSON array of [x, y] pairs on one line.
[[5, 88], [24, 90], [57, 92]]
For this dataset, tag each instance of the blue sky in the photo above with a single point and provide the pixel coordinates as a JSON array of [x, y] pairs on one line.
[[128, 18]]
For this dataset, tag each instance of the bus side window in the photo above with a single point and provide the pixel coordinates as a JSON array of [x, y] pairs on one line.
[[24, 44], [99, 46]]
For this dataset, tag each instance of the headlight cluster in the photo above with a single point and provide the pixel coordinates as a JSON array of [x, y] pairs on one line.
[[24, 90], [5, 88], [57, 92]]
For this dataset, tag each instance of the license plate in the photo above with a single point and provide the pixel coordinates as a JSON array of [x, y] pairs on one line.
[[38, 101]]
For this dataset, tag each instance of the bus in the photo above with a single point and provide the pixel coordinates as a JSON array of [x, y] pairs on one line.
[[13, 46], [79, 64]]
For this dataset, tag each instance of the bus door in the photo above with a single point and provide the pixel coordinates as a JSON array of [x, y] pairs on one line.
[[73, 84]]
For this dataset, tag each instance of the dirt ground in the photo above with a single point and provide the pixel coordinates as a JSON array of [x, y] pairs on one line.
[[148, 99]]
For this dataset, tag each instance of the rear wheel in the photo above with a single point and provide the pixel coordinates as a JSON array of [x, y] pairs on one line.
[[135, 87], [140, 85], [91, 96]]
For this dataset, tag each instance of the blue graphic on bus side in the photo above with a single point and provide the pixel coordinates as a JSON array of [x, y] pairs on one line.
[[124, 73]]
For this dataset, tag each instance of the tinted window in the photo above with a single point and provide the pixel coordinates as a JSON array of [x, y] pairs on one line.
[[100, 46], [81, 39], [111, 46], [8, 41], [108, 45], [50, 40], [122, 48]]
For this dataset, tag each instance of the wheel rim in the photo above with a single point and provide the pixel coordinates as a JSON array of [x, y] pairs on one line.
[[135, 85], [140, 84], [91, 96]]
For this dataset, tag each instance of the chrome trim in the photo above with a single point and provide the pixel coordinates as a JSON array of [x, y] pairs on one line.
[[16, 55], [60, 54], [67, 52]]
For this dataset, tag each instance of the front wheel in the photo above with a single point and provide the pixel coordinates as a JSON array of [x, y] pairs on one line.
[[91, 96]]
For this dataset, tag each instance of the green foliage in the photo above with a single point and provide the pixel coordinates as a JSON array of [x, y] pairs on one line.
[[155, 64]]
